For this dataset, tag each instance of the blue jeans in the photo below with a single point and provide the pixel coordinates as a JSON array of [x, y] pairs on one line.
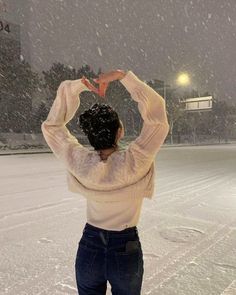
[[104, 255]]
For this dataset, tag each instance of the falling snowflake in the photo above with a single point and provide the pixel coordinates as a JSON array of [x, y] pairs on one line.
[[99, 51]]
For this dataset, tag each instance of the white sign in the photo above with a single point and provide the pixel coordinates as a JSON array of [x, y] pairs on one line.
[[198, 103]]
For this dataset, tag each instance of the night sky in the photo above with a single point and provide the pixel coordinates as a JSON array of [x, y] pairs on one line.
[[153, 38]]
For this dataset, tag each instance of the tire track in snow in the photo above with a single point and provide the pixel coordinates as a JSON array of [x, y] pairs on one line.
[[171, 264]]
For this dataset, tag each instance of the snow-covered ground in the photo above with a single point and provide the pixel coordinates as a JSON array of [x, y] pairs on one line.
[[188, 231]]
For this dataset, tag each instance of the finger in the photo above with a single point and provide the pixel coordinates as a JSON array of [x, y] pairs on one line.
[[96, 80], [102, 89], [89, 85], [85, 82]]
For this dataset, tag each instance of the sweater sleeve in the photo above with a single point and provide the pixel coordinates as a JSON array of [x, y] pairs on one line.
[[155, 127], [64, 107]]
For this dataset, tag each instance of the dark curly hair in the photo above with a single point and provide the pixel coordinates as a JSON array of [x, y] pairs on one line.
[[100, 123]]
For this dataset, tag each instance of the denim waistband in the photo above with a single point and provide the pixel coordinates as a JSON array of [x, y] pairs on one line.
[[128, 230]]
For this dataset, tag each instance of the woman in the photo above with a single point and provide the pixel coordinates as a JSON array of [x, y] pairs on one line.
[[113, 181]]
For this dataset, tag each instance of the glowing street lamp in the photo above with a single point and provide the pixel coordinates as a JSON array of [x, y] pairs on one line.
[[183, 79]]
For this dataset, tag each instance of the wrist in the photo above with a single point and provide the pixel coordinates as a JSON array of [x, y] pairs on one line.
[[121, 74]]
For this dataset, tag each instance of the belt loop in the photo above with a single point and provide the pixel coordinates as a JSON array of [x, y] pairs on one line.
[[102, 237]]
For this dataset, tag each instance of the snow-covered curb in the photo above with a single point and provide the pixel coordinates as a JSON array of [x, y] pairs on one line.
[[47, 150]]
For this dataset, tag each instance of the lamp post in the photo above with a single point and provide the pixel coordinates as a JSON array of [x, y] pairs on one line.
[[182, 80], [164, 88]]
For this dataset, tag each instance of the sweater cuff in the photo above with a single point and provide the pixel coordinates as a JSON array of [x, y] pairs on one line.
[[130, 81], [77, 87]]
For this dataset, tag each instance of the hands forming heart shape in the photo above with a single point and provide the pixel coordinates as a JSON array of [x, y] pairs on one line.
[[102, 86]]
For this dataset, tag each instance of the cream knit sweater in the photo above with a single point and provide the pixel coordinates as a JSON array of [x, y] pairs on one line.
[[114, 189]]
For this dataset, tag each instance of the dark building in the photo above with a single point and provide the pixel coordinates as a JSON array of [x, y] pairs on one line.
[[10, 44]]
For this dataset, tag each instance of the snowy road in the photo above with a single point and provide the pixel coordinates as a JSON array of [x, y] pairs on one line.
[[188, 231]]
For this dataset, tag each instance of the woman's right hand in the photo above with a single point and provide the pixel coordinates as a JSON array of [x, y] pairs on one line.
[[110, 76]]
